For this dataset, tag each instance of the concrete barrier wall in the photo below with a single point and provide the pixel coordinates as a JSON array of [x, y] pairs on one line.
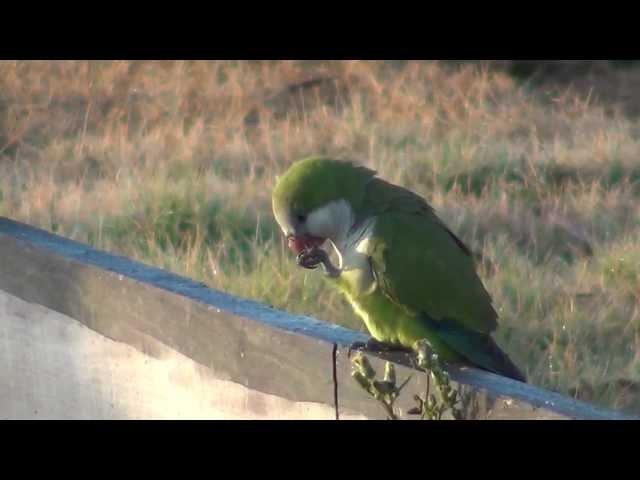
[[86, 334], [54, 367]]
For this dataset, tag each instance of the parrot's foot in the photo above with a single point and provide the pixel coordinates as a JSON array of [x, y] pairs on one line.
[[373, 345], [312, 258]]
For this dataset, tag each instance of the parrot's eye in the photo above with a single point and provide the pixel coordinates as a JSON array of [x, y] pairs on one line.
[[301, 218]]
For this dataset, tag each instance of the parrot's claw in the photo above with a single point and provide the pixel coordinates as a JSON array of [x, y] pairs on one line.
[[356, 346], [373, 345], [312, 258], [308, 259]]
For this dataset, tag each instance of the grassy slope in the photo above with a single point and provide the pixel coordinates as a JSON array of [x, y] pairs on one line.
[[158, 161]]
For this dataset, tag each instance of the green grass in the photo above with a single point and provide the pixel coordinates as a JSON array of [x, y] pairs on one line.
[[156, 161]]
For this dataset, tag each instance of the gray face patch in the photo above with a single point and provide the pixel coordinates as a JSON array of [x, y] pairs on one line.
[[332, 220]]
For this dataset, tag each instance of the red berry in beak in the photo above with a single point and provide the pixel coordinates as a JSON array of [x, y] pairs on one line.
[[303, 242]]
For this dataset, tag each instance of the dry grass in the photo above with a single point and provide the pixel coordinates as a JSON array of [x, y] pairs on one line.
[[172, 163]]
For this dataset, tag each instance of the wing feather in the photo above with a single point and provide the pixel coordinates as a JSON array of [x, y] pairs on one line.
[[421, 266]]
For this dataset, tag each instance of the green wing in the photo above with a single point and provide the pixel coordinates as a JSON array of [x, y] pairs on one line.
[[422, 266]]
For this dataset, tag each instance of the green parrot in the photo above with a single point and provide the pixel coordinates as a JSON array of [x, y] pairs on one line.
[[403, 271]]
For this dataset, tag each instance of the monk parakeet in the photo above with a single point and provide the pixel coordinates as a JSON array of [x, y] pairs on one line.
[[404, 272]]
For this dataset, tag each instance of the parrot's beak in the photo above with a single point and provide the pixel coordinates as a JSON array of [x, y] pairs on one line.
[[299, 243]]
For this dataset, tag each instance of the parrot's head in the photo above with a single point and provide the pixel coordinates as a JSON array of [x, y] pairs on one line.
[[317, 199]]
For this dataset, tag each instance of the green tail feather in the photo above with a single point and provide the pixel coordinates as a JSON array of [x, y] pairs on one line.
[[478, 349]]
